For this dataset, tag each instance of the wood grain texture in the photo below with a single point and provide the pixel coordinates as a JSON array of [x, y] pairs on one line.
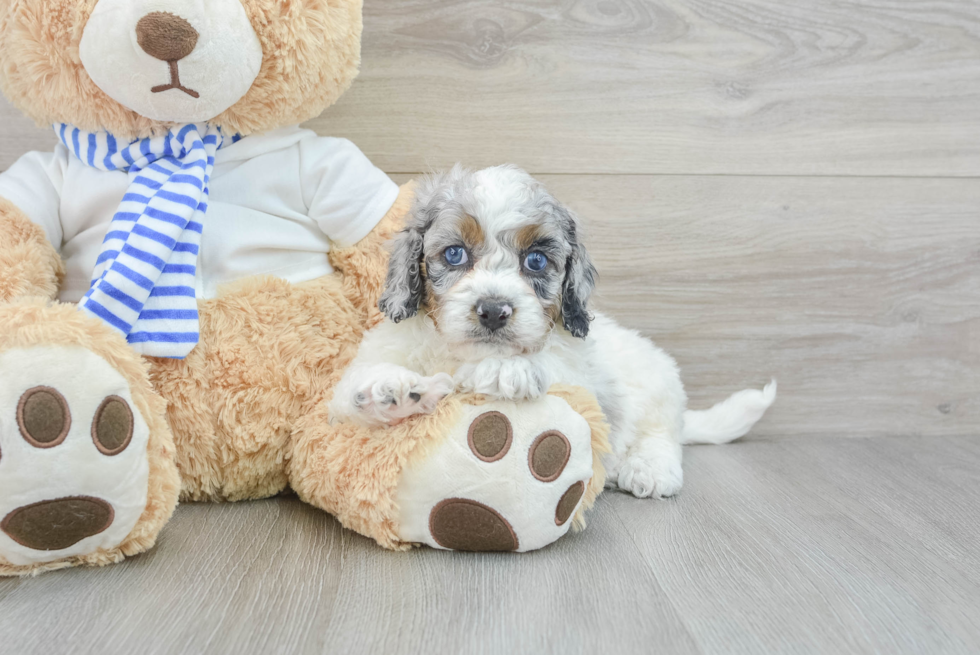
[[819, 546], [822, 546], [860, 295], [860, 87], [19, 135]]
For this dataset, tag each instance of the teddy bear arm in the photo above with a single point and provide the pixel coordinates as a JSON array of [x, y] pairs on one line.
[[29, 264], [365, 264]]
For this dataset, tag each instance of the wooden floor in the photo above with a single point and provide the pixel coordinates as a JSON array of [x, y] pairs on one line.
[[771, 189], [795, 546]]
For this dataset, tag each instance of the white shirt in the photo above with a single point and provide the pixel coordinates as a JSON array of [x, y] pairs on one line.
[[278, 202]]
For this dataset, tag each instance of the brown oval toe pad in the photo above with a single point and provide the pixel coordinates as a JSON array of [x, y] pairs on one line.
[[548, 455], [43, 417], [462, 524], [490, 436], [568, 502], [112, 427], [57, 524]]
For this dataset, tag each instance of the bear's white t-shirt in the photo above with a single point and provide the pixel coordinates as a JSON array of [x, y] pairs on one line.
[[278, 202]]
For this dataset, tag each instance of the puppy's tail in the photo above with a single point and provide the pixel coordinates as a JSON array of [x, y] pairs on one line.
[[730, 419]]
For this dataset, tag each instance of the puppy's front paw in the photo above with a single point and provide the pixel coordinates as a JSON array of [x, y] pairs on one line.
[[514, 378], [388, 394]]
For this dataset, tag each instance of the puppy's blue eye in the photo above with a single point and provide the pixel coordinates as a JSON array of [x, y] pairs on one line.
[[456, 255], [535, 261]]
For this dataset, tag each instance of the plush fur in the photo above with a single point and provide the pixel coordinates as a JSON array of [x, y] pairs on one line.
[[269, 353], [311, 53], [244, 415], [33, 322], [269, 350], [29, 265], [352, 471]]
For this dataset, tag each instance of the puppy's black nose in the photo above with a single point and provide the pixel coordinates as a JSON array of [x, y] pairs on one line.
[[493, 313]]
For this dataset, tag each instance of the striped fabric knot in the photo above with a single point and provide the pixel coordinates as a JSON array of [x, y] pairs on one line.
[[143, 283]]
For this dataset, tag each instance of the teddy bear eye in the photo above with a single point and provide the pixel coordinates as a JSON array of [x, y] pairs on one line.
[[535, 261], [456, 255]]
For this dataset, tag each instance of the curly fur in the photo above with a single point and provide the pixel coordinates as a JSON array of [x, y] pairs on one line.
[[492, 221]]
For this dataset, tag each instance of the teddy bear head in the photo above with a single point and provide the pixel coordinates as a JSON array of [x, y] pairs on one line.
[[136, 68]]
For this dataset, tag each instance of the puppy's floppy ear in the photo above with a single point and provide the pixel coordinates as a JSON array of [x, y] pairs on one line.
[[404, 289], [580, 276]]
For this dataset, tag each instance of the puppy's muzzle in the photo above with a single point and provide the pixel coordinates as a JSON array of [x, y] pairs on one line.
[[493, 313]]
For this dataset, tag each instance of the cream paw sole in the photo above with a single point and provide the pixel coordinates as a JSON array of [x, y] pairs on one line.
[[73, 455], [509, 477]]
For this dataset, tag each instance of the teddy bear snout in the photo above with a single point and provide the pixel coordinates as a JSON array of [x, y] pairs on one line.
[[165, 36]]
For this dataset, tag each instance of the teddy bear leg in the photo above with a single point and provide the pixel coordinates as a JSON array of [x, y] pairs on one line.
[[508, 476], [87, 473], [474, 475]]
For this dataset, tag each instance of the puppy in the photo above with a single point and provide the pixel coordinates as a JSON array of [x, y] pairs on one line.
[[488, 292]]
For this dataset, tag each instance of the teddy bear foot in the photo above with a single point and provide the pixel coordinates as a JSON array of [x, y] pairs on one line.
[[73, 455], [509, 477]]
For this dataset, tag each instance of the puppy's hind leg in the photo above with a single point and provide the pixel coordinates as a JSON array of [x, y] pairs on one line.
[[653, 464], [650, 397]]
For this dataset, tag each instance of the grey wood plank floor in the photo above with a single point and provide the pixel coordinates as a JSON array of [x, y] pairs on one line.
[[795, 546]]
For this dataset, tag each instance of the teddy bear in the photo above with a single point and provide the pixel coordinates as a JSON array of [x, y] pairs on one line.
[[185, 277]]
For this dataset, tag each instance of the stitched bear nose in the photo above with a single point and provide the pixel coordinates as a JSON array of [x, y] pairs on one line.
[[493, 313], [166, 36]]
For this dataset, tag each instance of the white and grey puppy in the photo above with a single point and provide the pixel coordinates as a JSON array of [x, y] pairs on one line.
[[488, 291]]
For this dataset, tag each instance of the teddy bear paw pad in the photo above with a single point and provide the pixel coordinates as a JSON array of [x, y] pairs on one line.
[[73, 461], [462, 524], [490, 436], [508, 477], [57, 524], [548, 455], [568, 503]]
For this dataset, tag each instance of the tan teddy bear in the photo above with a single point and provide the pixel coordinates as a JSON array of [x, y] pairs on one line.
[[184, 278]]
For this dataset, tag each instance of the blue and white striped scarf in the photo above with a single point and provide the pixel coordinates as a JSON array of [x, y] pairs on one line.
[[143, 283]]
